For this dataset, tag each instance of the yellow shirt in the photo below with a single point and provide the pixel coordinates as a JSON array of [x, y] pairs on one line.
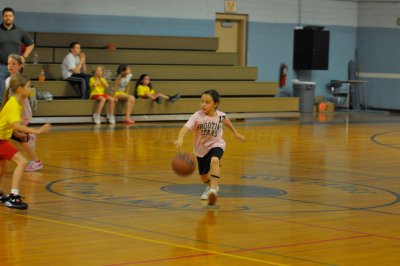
[[10, 114], [99, 88], [142, 90]]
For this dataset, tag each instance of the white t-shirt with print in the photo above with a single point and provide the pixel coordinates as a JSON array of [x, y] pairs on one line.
[[207, 131]]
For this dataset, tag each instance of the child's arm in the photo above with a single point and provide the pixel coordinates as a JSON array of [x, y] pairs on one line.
[[182, 134], [116, 84], [127, 88], [21, 128], [229, 124], [102, 82]]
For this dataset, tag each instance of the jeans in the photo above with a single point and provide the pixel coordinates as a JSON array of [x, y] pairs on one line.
[[3, 76], [83, 81]]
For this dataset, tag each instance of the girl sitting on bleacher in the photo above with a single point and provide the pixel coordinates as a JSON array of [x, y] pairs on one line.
[[98, 85], [145, 90], [121, 91]]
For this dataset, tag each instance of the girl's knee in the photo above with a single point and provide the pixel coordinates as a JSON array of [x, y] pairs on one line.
[[23, 162], [205, 178], [215, 161]]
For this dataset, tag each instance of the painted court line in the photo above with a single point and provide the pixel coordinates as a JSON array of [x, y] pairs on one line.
[[238, 251], [159, 260], [322, 226], [299, 244], [145, 239], [182, 238], [314, 167]]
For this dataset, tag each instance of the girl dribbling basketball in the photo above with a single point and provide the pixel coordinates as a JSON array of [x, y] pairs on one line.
[[209, 145]]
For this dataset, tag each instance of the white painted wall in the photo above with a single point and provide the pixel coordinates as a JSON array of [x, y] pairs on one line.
[[316, 12], [329, 12], [378, 14]]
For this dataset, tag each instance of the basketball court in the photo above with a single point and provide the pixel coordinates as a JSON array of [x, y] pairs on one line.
[[319, 190]]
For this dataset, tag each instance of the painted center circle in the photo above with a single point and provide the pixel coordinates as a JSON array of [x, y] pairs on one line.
[[226, 191]]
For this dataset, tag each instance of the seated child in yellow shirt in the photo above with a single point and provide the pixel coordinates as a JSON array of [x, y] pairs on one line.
[[145, 90]]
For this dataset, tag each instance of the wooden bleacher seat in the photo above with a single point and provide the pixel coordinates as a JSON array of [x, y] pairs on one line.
[[46, 39], [58, 108], [140, 57], [63, 89], [185, 65], [160, 72]]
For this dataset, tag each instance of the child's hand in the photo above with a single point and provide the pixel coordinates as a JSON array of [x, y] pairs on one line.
[[178, 143], [24, 121], [240, 137], [19, 135], [44, 129]]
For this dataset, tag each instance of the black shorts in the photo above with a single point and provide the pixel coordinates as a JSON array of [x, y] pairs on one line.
[[204, 162]]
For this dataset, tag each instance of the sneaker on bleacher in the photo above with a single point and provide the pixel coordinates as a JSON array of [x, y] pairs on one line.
[[111, 118], [96, 119], [175, 97]]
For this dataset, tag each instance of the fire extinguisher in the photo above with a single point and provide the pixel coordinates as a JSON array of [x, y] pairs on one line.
[[282, 75]]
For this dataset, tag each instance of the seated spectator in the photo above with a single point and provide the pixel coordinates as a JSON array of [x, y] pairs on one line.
[[145, 90], [74, 67], [98, 85], [121, 91]]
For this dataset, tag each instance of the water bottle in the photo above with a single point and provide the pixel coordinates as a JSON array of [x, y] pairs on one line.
[[42, 76], [32, 98], [35, 58], [108, 75]]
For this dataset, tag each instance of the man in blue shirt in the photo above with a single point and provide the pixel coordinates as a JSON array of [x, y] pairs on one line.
[[11, 37]]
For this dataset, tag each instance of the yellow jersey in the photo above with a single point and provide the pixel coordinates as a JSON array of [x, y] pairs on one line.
[[10, 114], [142, 90], [99, 88]]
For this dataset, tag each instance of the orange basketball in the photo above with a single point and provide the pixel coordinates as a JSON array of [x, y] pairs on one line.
[[183, 163], [111, 46]]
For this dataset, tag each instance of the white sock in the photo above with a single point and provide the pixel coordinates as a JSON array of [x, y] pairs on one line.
[[212, 190], [15, 191]]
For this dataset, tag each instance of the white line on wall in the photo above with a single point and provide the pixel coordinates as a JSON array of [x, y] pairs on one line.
[[379, 75]]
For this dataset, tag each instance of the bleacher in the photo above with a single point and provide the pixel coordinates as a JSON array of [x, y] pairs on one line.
[[185, 65]]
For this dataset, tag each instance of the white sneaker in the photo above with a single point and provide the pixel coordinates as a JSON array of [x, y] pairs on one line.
[[111, 119], [96, 119], [212, 196], [204, 196]]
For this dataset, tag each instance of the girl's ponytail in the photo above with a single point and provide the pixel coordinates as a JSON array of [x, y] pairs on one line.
[[6, 96]]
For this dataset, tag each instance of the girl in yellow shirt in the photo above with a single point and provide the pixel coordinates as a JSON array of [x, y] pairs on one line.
[[10, 120], [145, 90], [98, 85]]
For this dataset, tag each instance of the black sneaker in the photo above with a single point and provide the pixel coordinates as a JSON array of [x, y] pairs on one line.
[[3, 198], [159, 100], [15, 202], [173, 98]]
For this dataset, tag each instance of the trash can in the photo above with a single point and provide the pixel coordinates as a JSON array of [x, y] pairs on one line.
[[305, 90]]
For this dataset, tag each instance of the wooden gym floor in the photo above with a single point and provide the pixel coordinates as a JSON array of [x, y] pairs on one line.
[[320, 190]]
